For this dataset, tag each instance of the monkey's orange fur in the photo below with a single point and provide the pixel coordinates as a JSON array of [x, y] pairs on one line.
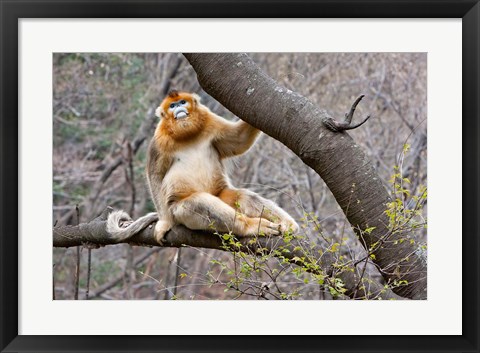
[[187, 176]]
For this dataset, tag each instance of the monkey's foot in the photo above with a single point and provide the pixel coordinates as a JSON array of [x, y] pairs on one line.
[[337, 126], [290, 226], [265, 227]]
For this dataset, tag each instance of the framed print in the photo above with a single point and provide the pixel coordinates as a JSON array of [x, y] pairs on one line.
[[312, 239]]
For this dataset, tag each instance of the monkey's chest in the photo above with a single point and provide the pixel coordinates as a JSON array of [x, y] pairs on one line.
[[198, 168]]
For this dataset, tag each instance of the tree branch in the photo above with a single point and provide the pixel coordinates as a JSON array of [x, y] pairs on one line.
[[94, 234]]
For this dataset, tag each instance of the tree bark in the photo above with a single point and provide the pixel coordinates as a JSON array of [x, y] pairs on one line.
[[243, 88], [94, 234]]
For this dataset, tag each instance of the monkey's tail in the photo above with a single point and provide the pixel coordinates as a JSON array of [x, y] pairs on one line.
[[121, 226]]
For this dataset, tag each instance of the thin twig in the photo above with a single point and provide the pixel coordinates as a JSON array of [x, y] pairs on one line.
[[77, 269], [177, 272], [138, 261], [53, 281], [89, 267]]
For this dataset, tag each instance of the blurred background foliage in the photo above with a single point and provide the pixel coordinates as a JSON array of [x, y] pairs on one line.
[[103, 118]]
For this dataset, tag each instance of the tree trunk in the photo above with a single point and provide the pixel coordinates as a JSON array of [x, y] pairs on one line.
[[243, 88]]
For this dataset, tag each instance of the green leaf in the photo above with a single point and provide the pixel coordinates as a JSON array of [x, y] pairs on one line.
[[334, 247]]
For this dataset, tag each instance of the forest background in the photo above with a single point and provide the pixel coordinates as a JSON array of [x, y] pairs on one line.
[[103, 108]]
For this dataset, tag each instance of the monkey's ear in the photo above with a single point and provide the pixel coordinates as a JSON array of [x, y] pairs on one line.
[[159, 112], [196, 98]]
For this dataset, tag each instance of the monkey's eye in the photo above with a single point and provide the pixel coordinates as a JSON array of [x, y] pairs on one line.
[[183, 101], [172, 105]]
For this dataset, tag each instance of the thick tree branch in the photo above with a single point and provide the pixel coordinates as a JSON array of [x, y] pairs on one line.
[[243, 88], [94, 234]]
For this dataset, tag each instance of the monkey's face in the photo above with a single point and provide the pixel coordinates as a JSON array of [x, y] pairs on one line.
[[180, 114], [177, 105], [179, 109]]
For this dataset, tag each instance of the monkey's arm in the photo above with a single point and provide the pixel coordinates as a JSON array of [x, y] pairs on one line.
[[158, 164], [233, 139]]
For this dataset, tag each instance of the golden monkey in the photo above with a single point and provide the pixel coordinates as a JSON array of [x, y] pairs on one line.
[[188, 180]]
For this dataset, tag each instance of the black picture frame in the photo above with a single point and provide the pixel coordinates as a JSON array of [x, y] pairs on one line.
[[12, 11]]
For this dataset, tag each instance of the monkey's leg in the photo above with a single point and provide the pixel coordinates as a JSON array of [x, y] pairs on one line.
[[204, 211], [253, 205]]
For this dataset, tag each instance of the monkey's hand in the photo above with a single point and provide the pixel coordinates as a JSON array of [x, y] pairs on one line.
[[337, 126], [120, 225], [161, 228]]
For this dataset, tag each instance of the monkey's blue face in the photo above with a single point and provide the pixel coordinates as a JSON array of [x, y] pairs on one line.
[[179, 109]]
